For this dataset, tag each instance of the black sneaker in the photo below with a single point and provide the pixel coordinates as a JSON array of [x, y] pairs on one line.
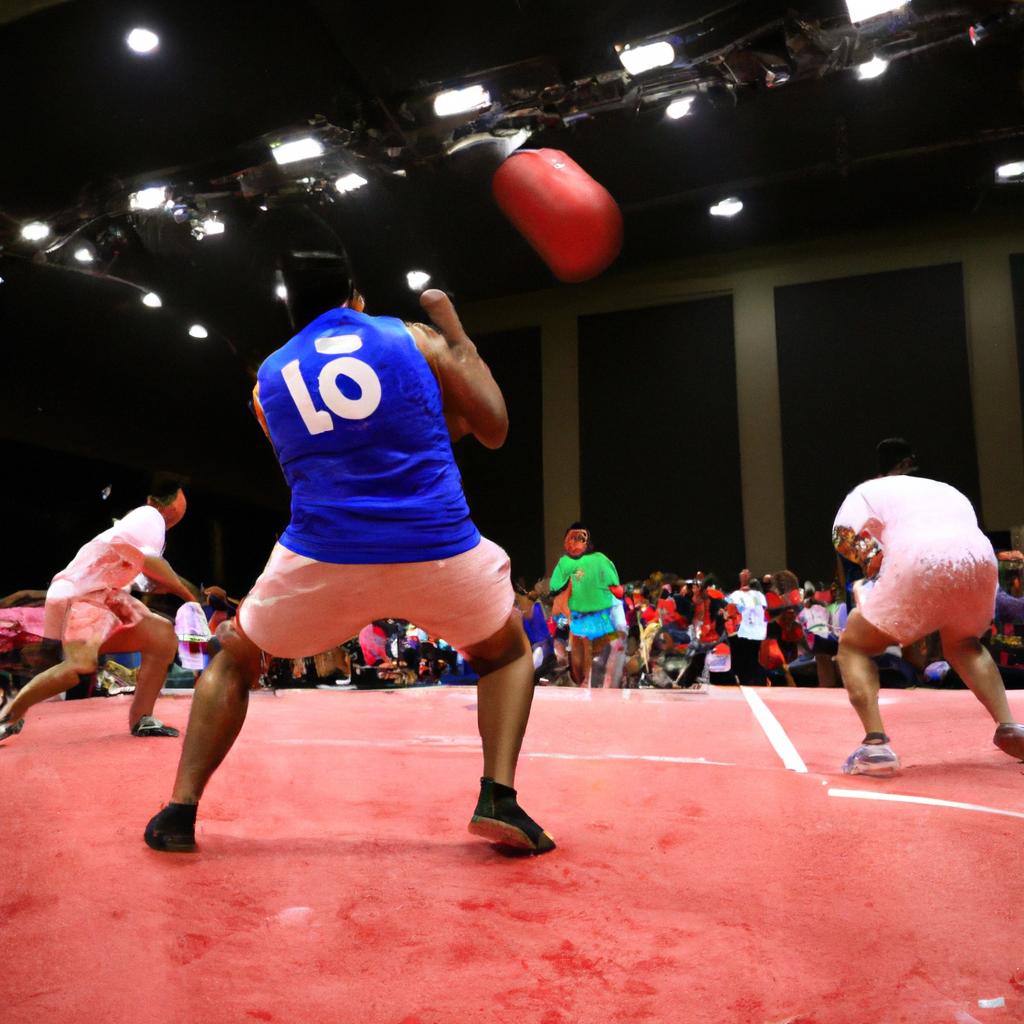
[[1009, 738], [173, 830], [501, 820], [11, 728], [147, 725]]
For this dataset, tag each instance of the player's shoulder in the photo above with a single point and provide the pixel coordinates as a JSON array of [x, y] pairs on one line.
[[429, 341], [142, 514]]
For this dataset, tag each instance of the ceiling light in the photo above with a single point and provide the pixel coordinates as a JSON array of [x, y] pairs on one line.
[[141, 40], [35, 231], [726, 208], [861, 10], [152, 300], [417, 279], [872, 68], [458, 101], [263, 207], [281, 291], [150, 198], [638, 59], [350, 182], [299, 149], [198, 331], [680, 107], [212, 226], [1004, 172], [84, 254]]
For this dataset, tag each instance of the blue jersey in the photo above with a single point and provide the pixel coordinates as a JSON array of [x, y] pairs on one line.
[[354, 413]]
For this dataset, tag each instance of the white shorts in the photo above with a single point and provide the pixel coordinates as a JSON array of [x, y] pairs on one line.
[[300, 607]]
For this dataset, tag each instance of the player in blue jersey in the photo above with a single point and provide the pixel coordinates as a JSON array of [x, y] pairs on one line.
[[361, 411]]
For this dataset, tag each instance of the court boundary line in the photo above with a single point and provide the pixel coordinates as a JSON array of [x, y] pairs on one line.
[[460, 745], [772, 728], [927, 801]]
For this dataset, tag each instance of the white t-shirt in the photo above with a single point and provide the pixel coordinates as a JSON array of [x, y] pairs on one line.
[[143, 528], [751, 605], [907, 512]]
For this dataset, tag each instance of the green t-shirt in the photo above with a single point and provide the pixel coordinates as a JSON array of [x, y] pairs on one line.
[[591, 576]]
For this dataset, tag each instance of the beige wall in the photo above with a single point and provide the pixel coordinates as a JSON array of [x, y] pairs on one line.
[[751, 277]]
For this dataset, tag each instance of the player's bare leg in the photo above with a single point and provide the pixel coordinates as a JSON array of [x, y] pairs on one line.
[[80, 658], [504, 697], [974, 665], [218, 712], [154, 639], [861, 642]]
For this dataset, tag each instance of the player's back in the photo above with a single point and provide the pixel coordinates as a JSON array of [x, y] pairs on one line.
[[355, 415]]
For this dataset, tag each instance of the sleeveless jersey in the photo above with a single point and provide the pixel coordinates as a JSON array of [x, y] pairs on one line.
[[355, 416]]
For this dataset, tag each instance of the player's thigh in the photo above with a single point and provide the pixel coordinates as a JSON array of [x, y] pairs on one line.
[[861, 637]]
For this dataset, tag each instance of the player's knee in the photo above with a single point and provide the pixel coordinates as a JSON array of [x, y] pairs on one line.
[[165, 640], [233, 643], [502, 648], [82, 661], [860, 696]]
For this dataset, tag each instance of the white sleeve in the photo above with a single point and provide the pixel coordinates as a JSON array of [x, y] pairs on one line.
[[854, 512], [143, 528]]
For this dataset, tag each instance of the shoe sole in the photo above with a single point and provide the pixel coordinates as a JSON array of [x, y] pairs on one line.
[[875, 773], [504, 834], [169, 845], [1012, 745]]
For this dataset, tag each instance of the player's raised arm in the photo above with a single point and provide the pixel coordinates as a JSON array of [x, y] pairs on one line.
[[473, 403]]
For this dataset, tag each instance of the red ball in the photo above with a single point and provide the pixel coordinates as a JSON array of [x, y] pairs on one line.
[[572, 222]]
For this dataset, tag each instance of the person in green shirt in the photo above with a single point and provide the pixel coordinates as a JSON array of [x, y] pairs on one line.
[[594, 593]]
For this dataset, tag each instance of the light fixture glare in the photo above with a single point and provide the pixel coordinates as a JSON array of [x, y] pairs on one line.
[[350, 182], [872, 68], [35, 231], [726, 208], [680, 107], [281, 292], [84, 254], [198, 331], [862, 10], [298, 149], [142, 40], [417, 279], [458, 101], [1012, 170], [212, 226], [638, 59], [150, 198], [152, 300]]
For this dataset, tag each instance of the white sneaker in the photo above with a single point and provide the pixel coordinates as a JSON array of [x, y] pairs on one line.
[[876, 759]]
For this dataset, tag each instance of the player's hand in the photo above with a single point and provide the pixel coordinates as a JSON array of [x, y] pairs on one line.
[[439, 308]]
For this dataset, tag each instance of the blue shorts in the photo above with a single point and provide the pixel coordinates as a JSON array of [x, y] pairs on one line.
[[592, 625]]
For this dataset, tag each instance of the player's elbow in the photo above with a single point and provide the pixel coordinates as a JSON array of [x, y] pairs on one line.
[[492, 437], [492, 429]]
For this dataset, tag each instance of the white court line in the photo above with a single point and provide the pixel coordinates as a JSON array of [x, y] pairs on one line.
[[898, 798], [631, 757], [456, 745], [777, 737]]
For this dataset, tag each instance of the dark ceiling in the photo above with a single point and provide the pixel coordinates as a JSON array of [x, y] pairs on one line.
[[780, 119]]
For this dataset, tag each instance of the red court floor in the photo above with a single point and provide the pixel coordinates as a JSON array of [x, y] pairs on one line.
[[697, 878]]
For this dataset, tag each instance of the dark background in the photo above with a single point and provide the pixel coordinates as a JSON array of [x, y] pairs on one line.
[[861, 359], [97, 389], [659, 439]]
